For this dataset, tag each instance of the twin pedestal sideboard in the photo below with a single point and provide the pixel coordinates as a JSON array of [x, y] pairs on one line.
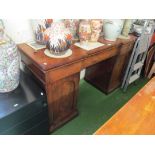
[[60, 78]]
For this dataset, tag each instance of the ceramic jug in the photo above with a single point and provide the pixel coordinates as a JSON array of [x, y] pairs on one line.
[[9, 64], [112, 29]]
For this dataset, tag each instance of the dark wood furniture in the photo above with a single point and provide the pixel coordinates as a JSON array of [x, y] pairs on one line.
[[136, 116], [24, 110], [150, 58], [108, 75], [60, 77]]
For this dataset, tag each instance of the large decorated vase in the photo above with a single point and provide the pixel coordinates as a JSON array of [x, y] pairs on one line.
[[96, 28], [84, 31], [59, 38], [9, 65], [73, 26], [39, 26]]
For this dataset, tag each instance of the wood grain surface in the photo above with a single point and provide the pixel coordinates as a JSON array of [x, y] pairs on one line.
[[136, 117]]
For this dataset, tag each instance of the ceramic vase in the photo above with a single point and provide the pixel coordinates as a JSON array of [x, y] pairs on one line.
[[127, 27], [39, 26], [9, 65], [112, 29], [59, 38], [73, 26], [84, 31], [96, 28]]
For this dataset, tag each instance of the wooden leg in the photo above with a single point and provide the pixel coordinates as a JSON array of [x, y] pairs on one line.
[[152, 71], [62, 100]]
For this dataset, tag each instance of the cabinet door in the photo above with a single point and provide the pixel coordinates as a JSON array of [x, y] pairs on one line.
[[62, 99]]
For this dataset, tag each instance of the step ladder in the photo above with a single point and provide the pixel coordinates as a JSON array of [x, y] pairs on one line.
[[138, 56]]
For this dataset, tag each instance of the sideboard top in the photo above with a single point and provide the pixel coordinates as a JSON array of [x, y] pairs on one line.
[[45, 63]]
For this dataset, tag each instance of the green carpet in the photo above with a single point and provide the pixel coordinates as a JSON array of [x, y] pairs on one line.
[[95, 108]]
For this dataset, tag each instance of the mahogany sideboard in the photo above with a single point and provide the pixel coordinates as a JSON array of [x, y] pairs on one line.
[[60, 77]]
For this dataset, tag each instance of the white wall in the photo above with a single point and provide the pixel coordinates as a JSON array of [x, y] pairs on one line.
[[21, 31]]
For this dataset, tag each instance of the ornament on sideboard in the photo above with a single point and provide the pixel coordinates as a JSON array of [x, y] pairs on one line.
[[9, 65], [39, 26], [112, 29], [84, 32], [96, 28], [59, 38], [126, 29], [73, 26]]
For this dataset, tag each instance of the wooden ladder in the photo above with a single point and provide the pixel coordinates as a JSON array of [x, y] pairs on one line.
[[138, 57]]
